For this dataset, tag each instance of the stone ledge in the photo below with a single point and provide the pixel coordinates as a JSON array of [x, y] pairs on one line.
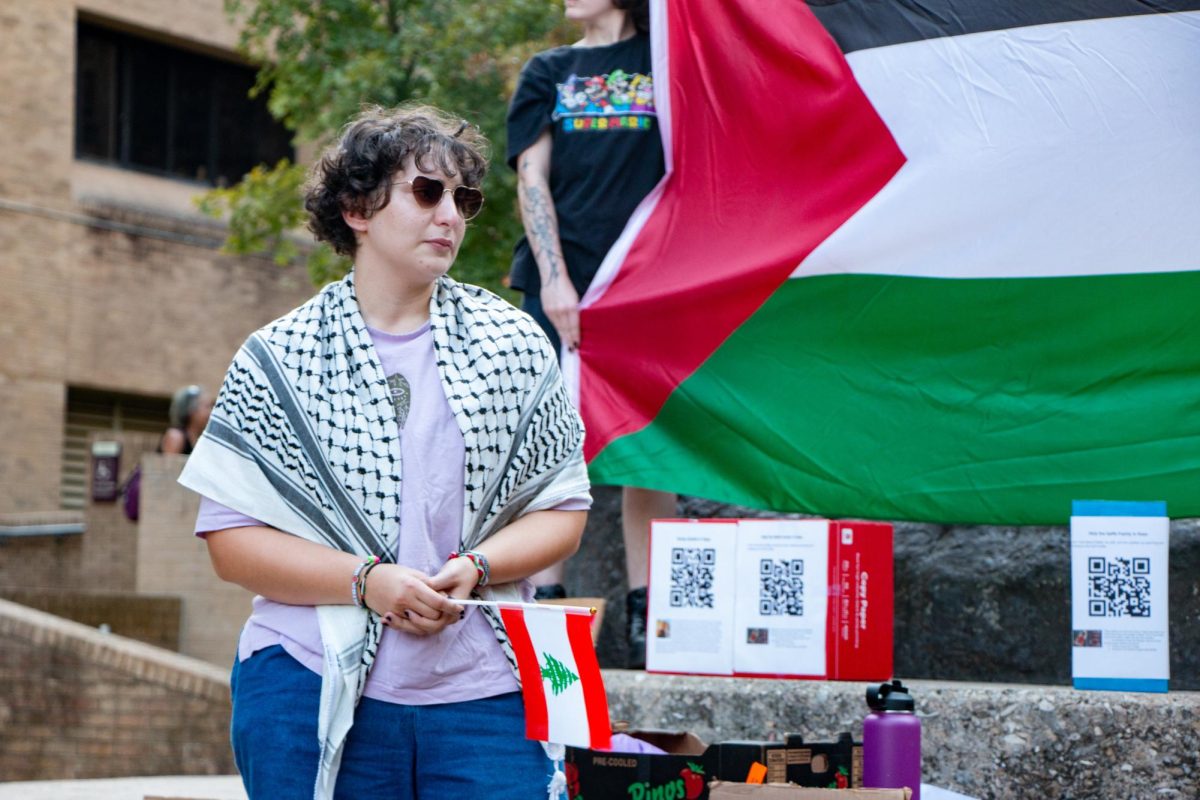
[[41, 523], [47, 517], [147, 663], [996, 741]]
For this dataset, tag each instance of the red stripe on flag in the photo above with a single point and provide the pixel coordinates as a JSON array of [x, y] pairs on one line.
[[537, 722], [579, 633], [774, 147]]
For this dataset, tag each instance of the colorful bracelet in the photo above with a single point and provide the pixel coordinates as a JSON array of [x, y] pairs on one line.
[[356, 581], [362, 581], [480, 561]]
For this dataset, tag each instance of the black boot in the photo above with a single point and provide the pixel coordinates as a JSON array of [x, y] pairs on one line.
[[635, 628], [551, 591]]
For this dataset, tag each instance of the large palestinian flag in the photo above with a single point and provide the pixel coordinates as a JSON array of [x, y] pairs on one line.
[[933, 261]]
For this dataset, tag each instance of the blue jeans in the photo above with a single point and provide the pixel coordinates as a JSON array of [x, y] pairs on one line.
[[475, 748]]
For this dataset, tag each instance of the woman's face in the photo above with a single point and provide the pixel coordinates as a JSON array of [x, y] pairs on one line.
[[403, 236], [587, 10]]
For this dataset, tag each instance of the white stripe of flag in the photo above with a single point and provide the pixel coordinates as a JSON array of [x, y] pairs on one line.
[[1052, 150]]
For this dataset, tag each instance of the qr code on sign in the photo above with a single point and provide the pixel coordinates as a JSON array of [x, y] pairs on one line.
[[1118, 587], [692, 576], [781, 587]]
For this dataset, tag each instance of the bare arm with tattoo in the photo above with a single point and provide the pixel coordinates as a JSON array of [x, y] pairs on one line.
[[560, 301]]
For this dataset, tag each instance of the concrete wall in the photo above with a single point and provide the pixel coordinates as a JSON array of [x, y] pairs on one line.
[[45, 563], [993, 741], [101, 559], [150, 619], [77, 703], [201, 23], [170, 560], [151, 580], [85, 298]]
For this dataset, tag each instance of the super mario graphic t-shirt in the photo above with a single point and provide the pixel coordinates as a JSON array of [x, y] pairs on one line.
[[598, 103]]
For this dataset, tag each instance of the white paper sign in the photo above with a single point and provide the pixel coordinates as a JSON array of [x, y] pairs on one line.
[[738, 597], [780, 612], [1119, 555], [689, 628]]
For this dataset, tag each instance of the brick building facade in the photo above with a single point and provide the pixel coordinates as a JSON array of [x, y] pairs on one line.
[[112, 287]]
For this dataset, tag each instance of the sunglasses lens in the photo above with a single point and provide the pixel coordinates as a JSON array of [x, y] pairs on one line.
[[427, 191], [468, 200]]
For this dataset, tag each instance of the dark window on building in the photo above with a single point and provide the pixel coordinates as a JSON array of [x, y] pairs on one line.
[[94, 411], [149, 106]]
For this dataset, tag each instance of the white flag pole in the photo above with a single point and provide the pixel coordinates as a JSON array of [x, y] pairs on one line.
[[590, 610]]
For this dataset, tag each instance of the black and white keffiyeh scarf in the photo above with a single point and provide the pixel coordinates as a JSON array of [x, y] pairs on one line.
[[304, 438]]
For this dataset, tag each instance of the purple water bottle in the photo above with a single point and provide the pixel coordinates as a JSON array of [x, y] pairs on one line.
[[892, 740]]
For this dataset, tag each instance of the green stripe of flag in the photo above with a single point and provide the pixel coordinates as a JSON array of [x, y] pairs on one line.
[[988, 400]]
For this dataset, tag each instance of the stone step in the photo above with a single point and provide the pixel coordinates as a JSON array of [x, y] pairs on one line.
[[996, 741]]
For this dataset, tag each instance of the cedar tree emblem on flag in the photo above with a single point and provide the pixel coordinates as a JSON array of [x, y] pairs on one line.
[[559, 676], [574, 710]]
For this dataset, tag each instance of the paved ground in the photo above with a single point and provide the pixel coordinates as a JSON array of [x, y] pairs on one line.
[[175, 787], [206, 788]]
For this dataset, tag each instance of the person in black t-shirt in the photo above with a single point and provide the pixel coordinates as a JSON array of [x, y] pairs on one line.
[[583, 138]]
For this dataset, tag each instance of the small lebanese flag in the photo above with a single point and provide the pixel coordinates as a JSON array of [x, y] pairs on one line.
[[564, 694]]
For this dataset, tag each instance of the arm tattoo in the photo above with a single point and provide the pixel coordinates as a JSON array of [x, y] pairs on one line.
[[538, 209]]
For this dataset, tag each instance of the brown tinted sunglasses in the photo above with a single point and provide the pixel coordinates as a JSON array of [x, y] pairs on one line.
[[428, 192]]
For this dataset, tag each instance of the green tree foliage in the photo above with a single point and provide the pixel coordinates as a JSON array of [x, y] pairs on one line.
[[324, 59], [559, 675]]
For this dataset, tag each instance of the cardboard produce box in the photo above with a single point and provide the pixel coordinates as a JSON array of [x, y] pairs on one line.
[[732, 760], [832, 765], [683, 771], [829, 765], [680, 774], [720, 790]]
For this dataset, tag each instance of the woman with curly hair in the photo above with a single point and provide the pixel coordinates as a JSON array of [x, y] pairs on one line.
[[399, 442]]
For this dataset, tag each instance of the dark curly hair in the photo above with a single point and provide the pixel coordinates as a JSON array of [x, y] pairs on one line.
[[356, 174], [638, 11]]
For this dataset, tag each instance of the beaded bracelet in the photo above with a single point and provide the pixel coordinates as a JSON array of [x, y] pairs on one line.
[[356, 581], [481, 564], [362, 581]]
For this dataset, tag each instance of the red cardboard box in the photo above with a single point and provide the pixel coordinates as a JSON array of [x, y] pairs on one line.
[[861, 592], [773, 598]]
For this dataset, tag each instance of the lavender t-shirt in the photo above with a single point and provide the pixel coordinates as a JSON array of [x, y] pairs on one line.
[[464, 660]]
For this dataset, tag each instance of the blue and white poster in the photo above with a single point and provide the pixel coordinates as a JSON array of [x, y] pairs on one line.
[[1119, 638]]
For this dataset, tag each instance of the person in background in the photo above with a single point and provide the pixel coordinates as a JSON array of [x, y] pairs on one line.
[[583, 138], [400, 442], [189, 412], [187, 417]]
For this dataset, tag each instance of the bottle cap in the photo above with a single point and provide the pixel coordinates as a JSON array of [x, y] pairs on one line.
[[890, 697]]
